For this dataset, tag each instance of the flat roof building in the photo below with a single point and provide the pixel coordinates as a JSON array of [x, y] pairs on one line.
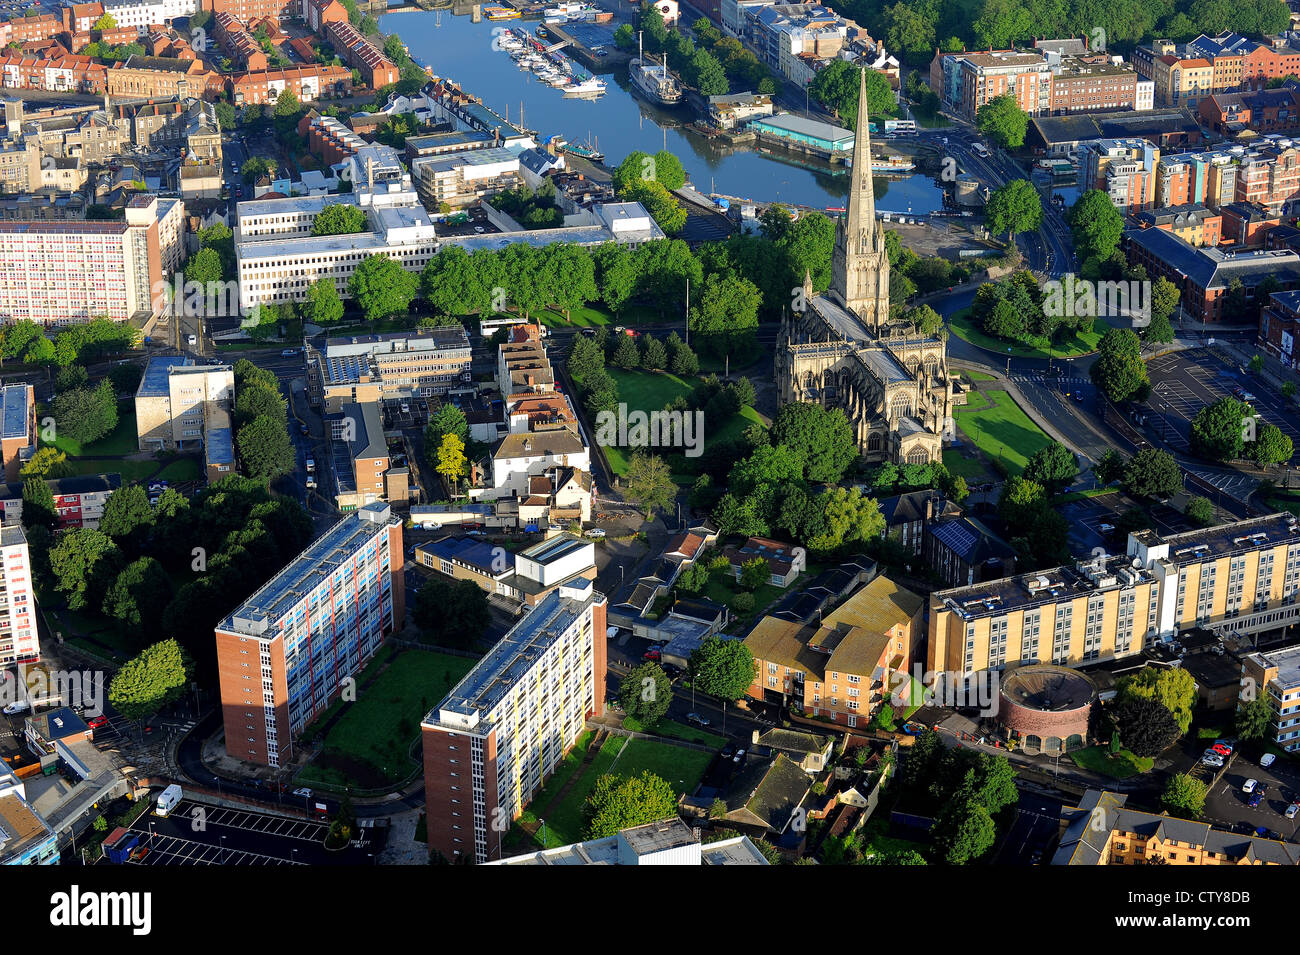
[[501, 732], [19, 642], [18, 420], [283, 654], [667, 842]]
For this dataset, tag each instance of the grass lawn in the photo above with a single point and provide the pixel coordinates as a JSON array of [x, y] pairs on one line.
[[723, 588], [1083, 495], [586, 317], [971, 468], [876, 838], [916, 697], [1082, 343], [651, 391], [674, 730], [682, 767], [182, 469], [998, 427], [564, 819], [369, 745], [974, 375], [121, 441], [1120, 766]]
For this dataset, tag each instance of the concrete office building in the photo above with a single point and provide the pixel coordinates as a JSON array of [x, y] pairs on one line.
[[282, 655], [173, 398], [1242, 577], [18, 635], [390, 365], [503, 730]]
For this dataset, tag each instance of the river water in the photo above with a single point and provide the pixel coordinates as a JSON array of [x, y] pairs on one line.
[[620, 122]]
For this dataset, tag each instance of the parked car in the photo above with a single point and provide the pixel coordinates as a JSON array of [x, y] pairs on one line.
[[1249, 785], [697, 719], [192, 339], [18, 706], [1222, 749], [1266, 760], [651, 654], [1212, 759], [1257, 796], [740, 755], [595, 533], [98, 722], [1292, 809]]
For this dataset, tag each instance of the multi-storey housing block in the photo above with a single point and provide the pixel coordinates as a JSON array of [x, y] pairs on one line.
[[502, 731], [284, 654], [18, 633]]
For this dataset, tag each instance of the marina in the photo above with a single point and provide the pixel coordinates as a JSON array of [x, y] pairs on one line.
[[623, 120], [548, 64]]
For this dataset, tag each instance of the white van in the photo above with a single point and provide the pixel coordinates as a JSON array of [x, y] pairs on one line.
[[168, 799]]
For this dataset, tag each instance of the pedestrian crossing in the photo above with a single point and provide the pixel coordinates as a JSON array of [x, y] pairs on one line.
[[1047, 380]]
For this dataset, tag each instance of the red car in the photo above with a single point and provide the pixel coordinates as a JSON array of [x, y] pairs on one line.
[[651, 655], [99, 722]]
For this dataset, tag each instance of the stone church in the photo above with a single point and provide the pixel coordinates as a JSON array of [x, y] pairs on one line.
[[842, 351]]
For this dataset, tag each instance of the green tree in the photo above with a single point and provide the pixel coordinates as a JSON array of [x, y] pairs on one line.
[[204, 266], [722, 668], [626, 355], [1254, 717], [39, 509], [649, 483], [323, 306], [128, 516], [138, 595], [658, 201], [146, 683], [754, 573], [1146, 726], [47, 463], [1152, 473], [1199, 511], [646, 693], [451, 613], [924, 319], [382, 287], [1184, 796], [1272, 445], [1174, 689], [970, 837], [1159, 332], [1052, 466], [1096, 225], [257, 167], [451, 460], [1219, 430], [287, 105], [621, 802], [83, 562], [821, 436], [339, 218], [265, 448], [1003, 121], [1119, 370], [1164, 299], [725, 316], [86, 414], [105, 22], [448, 419], [1013, 208], [653, 354]]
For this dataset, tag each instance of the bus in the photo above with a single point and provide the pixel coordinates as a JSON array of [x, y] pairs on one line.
[[980, 150], [900, 126]]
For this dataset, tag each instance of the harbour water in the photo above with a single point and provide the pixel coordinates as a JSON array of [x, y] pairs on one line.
[[619, 121]]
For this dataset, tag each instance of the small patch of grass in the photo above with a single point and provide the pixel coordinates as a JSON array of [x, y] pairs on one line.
[[974, 375], [182, 469], [971, 468], [1080, 343], [1083, 495], [674, 730], [1122, 765]]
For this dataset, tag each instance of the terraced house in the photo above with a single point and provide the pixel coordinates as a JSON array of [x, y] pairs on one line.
[[1102, 831]]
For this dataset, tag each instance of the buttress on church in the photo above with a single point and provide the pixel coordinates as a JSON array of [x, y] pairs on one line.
[[842, 351]]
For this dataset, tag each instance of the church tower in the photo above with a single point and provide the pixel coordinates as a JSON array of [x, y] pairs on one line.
[[860, 266]]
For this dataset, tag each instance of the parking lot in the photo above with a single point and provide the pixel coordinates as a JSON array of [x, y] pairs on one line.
[[1228, 806], [196, 833], [1089, 520], [1184, 383], [1034, 832]]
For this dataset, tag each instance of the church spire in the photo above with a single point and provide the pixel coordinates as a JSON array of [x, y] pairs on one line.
[[860, 228]]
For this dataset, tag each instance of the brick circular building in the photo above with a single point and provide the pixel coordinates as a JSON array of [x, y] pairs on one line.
[[1045, 708]]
